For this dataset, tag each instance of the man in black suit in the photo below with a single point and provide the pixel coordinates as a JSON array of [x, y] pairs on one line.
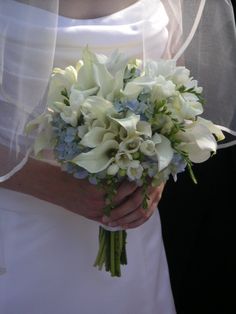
[[199, 232]]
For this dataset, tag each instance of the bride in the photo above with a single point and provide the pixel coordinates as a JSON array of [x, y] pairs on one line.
[[49, 220]]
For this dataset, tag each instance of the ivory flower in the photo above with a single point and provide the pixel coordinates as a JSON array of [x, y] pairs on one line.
[[98, 158], [135, 170]]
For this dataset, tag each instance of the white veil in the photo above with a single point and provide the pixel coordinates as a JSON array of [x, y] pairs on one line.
[[26, 59], [201, 35]]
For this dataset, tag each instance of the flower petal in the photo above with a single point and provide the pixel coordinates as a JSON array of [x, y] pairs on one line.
[[98, 158]]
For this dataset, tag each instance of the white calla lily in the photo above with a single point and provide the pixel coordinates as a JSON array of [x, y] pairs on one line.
[[163, 150], [96, 136], [144, 128], [98, 158], [95, 73], [129, 123]]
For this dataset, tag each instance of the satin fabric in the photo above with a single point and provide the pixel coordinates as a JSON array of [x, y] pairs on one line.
[[49, 251]]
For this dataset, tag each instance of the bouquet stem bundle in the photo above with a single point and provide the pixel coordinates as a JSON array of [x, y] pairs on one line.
[[112, 251]]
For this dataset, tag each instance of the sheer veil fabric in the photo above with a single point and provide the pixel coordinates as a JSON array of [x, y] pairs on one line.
[[201, 35]]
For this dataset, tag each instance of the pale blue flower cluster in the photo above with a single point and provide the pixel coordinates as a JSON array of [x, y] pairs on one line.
[[137, 106]]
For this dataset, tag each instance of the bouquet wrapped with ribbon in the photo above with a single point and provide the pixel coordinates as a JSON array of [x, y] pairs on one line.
[[110, 119]]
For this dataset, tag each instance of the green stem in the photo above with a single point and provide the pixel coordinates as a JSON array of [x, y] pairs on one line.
[[112, 253], [101, 247]]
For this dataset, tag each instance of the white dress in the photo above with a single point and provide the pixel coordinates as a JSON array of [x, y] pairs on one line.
[[49, 251]]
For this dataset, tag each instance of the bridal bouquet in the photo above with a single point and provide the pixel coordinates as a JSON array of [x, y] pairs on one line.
[[110, 119]]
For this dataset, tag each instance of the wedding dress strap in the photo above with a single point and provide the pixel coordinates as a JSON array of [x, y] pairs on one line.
[[192, 32]]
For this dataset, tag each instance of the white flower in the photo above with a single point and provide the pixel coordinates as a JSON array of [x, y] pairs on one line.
[[123, 159], [131, 145], [77, 97], [98, 158], [94, 73], [96, 108], [60, 80], [82, 130], [197, 141], [135, 170], [214, 129], [185, 106], [70, 115], [163, 150], [44, 139], [162, 89], [165, 68], [96, 136], [148, 148], [112, 169], [180, 76], [129, 123]]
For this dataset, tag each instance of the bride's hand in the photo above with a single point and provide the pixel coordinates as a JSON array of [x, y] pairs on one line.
[[49, 183], [130, 212]]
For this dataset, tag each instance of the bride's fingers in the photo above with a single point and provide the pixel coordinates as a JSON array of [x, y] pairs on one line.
[[126, 215], [125, 189], [129, 205], [151, 210]]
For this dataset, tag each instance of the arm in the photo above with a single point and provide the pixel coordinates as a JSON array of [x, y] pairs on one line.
[[49, 183]]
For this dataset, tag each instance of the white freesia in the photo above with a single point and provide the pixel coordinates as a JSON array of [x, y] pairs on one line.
[[148, 148], [185, 107], [77, 97], [98, 158], [135, 170], [44, 139], [193, 84], [123, 159], [96, 108], [163, 89], [214, 129], [197, 141], [165, 68], [181, 76], [61, 80], [113, 169], [131, 145], [133, 88], [163, 150], [70, 115]]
